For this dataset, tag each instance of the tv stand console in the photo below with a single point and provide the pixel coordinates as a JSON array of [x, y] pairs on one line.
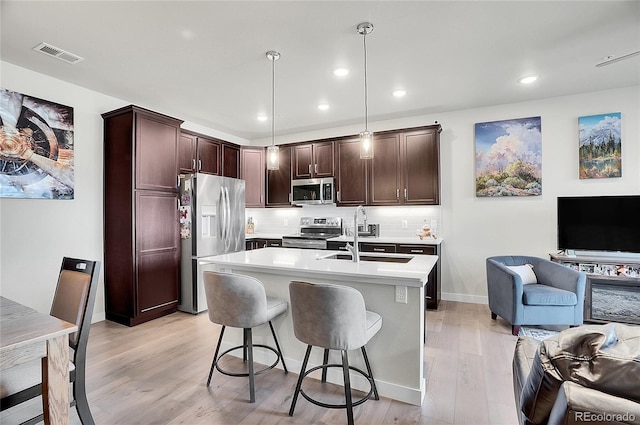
[[612, 293]]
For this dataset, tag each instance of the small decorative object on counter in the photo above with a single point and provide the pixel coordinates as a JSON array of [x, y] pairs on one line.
[[250, 226], [424, 231]]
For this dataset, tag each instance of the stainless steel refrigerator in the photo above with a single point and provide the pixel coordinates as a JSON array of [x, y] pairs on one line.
[[211, 223]]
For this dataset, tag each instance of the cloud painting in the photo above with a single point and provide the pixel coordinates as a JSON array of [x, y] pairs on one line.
[[509, 158]]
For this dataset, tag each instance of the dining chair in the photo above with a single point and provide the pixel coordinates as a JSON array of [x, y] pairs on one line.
[[73, 302]]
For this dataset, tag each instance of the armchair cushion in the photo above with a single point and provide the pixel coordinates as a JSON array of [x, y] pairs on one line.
[[539, 294]]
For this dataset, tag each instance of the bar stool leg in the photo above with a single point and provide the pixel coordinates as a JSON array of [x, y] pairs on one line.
[[252, 386], [215, 356], [373, 382], [325, 361], [299, 384], [347, 387], [244, 345], [278, 347]]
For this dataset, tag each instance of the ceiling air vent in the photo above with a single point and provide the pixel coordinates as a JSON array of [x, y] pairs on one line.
[[57, 53]]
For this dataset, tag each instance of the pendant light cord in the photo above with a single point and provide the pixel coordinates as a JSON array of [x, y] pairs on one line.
[[273, 100], [366, 109]]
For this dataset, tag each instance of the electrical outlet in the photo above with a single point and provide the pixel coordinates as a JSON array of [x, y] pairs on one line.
[[401, 294], [404, 224]]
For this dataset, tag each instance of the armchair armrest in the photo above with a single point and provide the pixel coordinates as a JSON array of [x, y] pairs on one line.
[[504, 290]]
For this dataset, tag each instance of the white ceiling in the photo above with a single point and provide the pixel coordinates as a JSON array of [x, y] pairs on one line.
[[204, 61]]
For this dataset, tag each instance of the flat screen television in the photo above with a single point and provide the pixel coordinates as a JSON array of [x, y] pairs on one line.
[[599, 223]]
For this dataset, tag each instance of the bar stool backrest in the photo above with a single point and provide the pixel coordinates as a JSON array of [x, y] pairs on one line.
[[235, 300], [328, 316]]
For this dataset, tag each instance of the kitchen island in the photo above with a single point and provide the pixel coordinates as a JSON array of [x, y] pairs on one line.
[[393, 289]]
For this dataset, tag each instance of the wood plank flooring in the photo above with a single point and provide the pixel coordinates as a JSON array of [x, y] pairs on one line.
[[155, 373]]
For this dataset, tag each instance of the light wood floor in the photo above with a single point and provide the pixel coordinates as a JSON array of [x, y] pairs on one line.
[[155, 373]]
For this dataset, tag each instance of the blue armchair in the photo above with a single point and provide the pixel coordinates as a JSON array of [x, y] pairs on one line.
[[556, 297]]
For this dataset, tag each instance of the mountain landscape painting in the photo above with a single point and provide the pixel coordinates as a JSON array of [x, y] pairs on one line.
[[600, 152]]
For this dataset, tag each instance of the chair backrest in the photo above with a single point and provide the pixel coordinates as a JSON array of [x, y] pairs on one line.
[[328, 316], [235, 300], [74, 298]]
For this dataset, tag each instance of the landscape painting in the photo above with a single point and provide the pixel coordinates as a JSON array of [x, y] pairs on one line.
[[509, 157], [600, 152], [36, 148]]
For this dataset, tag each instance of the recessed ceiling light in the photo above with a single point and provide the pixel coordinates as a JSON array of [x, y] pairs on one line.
[[341, 72], [262, 117], [399, 93], [528, 79], [323, 106]]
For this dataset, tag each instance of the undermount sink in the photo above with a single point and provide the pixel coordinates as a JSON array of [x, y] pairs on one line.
[[365, 257]]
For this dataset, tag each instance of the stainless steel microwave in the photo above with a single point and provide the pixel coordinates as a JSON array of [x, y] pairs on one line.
[[313, 191]]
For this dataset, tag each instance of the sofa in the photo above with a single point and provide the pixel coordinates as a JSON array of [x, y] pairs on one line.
[[584, 375], [526, 290]]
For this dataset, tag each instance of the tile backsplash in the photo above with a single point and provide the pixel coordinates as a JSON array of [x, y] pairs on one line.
[[394, 221]]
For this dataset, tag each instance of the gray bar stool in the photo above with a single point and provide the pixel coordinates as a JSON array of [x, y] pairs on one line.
[[241, 302], [332, 317]]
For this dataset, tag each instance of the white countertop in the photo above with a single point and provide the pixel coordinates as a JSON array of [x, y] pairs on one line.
[[263, 235], [415, 240], [309, 262]]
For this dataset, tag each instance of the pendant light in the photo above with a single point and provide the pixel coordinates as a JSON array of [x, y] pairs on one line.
[[366, 137], [273, 152]]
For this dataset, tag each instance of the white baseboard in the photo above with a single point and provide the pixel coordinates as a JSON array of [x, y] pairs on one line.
[[463, 298], [98, 317]]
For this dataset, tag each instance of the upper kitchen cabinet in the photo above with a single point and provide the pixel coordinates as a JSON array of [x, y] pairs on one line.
[[141, 233], [279, 181], [313, 160], [252, 171], [230, 160], [199, 154], [405, 169], [351, 173]]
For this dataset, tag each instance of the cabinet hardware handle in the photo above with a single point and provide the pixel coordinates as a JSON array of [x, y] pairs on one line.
[[261, 198], [338, 196], [418, 251], [315, 167], [199, 164], [378, 249], [193, 162], [397, 193], [309, 168], [405, 194]]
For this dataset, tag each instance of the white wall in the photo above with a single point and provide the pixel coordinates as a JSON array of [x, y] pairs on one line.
[[36, 234]]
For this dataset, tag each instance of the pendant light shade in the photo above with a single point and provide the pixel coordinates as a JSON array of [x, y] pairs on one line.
[[273, 152], [366, 137]]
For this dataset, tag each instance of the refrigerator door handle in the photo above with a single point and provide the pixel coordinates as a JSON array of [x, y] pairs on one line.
[[227, 241], [222, 212]]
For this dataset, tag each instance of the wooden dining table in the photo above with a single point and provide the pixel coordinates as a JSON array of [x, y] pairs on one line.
[[27, 335]]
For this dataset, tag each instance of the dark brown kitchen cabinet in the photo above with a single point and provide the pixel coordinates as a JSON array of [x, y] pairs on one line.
[[230, 161], [405, 169], [262, 243], [279, 181], [141, 235], [377, 247], [252, 171], [187, 153], [313, 160], [350, 173], [198, 154], [432, 292]]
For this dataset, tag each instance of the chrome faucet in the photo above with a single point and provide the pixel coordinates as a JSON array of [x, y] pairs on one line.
[[354, 250]]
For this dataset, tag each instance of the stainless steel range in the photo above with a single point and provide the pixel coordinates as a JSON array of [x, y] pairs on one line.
[[314, 232]]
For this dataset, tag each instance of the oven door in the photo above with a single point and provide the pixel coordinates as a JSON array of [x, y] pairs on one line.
[[304, 242]]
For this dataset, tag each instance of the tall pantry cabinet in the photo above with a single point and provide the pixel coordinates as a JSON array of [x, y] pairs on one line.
[[141, 223]]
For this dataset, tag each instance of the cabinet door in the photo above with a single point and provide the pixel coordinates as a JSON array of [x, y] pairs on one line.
[[323, 159], [385, 171], [351, 174], [421, 167], [335, 246], [208, 156], [156, 153], [157, 251], [187, 153], [302, 161], [230, 161], [252, 170], [279, 181], [432, 292]]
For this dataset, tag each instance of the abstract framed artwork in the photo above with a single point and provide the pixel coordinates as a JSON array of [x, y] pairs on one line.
[[600, 146], [509, 157], [36, 148]]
